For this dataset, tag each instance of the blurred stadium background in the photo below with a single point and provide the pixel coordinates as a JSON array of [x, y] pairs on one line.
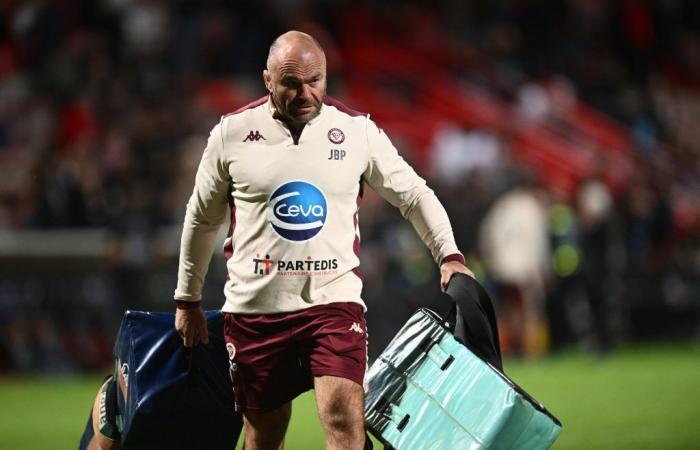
[[562, 137]]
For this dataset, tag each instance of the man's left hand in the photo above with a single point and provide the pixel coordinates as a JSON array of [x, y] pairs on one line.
[[450, 268]]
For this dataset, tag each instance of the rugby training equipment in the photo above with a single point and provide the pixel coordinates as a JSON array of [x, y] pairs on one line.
[[429, 390], [165, 396]]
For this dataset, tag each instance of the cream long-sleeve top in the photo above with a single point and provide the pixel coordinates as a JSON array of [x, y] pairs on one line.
[[294, 200]]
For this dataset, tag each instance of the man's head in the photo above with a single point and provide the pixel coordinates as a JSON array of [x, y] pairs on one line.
[[296, 76]]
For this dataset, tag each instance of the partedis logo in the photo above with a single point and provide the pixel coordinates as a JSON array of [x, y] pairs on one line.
[[262, 266], [294, 267]]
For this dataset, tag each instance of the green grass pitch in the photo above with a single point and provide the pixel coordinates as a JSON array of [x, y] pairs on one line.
[[642, 397]]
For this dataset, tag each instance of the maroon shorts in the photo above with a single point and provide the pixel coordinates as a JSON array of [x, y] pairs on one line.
[[275, 356]]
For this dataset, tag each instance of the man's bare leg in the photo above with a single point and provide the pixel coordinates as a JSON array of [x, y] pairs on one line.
[[341, 408], [265, 431]]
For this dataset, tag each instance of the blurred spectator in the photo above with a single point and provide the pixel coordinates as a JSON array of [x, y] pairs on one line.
[[584, 239], [594, 205], [515, 248], [456, 154]]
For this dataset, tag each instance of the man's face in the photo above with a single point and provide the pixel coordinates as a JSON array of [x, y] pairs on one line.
[[297, 83]]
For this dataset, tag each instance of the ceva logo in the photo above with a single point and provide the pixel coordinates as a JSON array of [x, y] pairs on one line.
[[297, 210]]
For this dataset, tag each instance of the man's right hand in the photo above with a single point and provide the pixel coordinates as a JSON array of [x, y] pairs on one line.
[[191, 325]]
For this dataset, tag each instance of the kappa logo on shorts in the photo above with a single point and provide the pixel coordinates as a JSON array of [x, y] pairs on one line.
[[356, 328], [231, 350]]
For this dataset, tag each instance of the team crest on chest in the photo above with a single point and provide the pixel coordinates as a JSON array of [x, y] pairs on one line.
[[336, 136]]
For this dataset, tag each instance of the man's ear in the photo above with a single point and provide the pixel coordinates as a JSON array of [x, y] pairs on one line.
[[267, 78]]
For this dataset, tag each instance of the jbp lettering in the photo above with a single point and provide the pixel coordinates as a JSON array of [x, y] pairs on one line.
[[336, 154]]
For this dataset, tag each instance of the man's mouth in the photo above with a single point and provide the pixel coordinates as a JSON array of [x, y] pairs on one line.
[[303, 108]]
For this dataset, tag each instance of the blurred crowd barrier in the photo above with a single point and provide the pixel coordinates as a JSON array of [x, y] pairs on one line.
[[560, 136]]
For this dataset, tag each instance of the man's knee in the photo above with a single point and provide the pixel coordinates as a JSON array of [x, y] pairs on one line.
[[341, 417], [340, 405]]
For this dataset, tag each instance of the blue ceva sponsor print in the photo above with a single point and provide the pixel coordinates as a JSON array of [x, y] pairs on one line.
[[297, 210]]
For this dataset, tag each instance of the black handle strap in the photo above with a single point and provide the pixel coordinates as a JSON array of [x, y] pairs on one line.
[[192, 366], [474, 319]]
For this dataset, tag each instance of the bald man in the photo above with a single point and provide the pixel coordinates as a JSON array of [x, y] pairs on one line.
[[291, 168]]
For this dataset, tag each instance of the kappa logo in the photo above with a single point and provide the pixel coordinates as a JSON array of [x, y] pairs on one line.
[[336, 136], [254, 136], [356, 328]]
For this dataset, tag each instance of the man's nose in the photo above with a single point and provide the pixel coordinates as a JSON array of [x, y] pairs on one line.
[[304, 91]]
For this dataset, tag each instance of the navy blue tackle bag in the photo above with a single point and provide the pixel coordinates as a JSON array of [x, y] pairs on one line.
[[167, 396]]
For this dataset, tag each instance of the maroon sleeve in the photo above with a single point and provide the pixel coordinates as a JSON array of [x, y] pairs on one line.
[[453, 257]]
